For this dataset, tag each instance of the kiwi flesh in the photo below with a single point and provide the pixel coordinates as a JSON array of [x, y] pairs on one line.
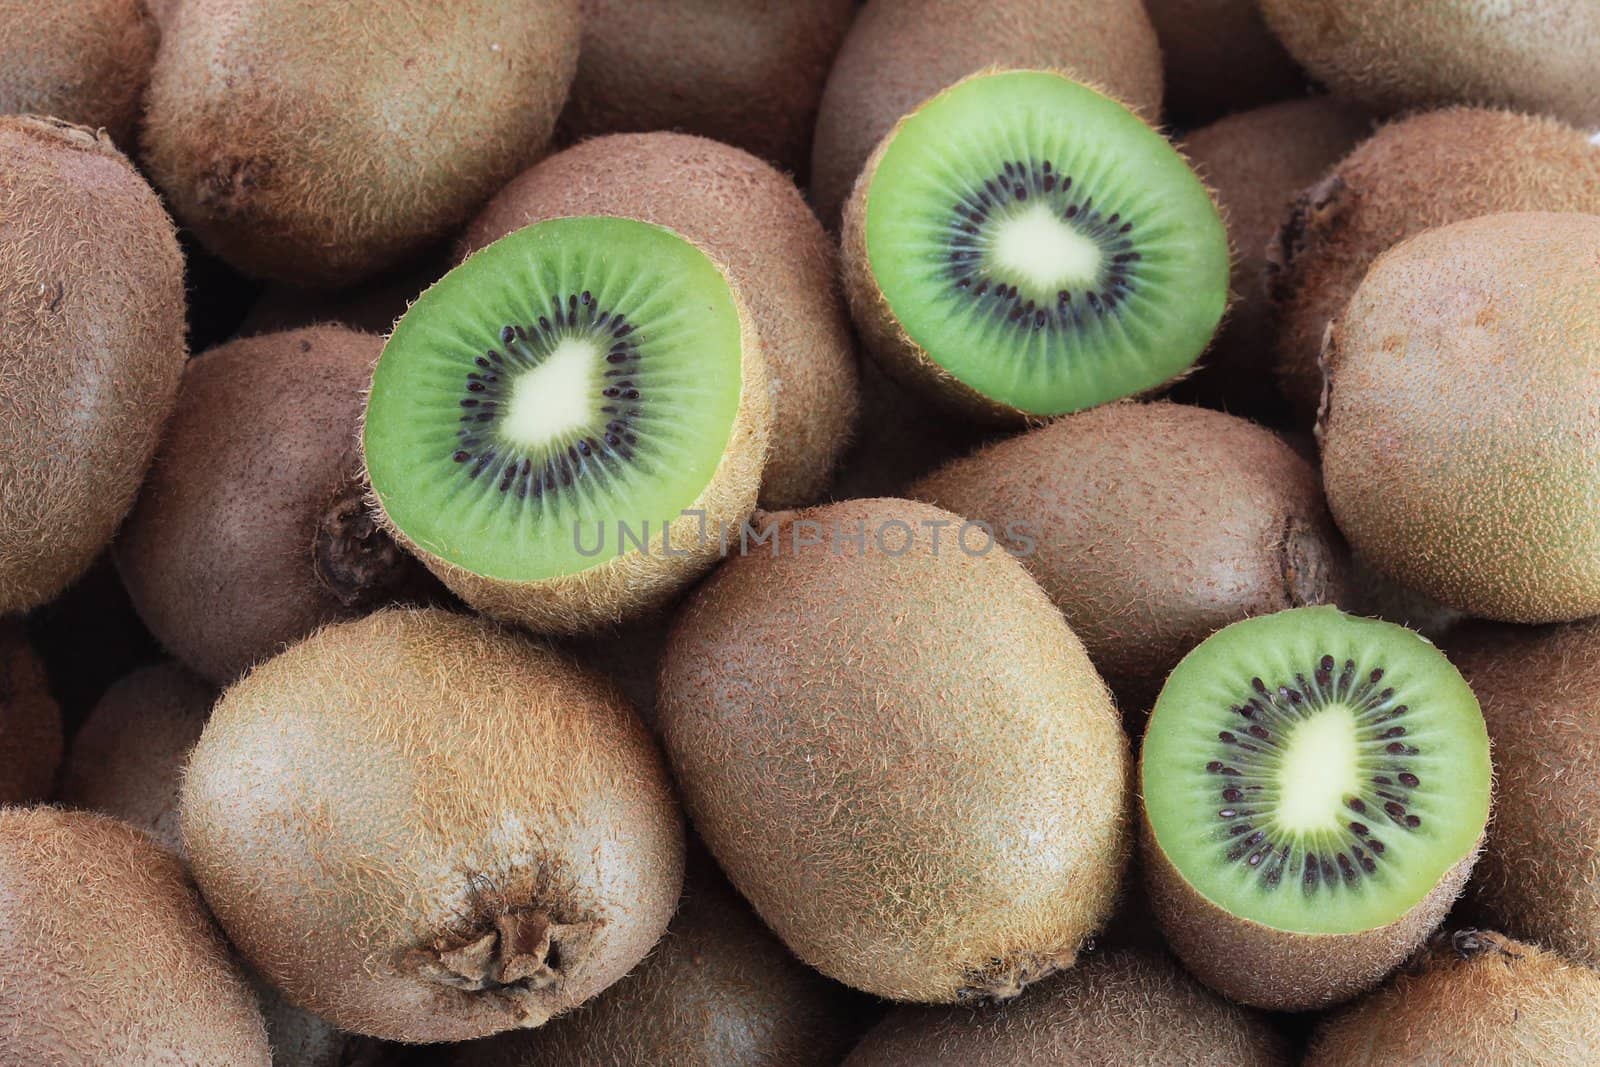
[[1315, 788], [751, 219], [1461, 429], [30, 721], [81, 61], [1023, 246], [1122, 1007], [1415, 174], [906, 724], [320, 143], [1151, 526], [108, 953], [1473, 996], [899, 53], [91, 349], [455, 831], [1220, 58], [254, 528], [518, 435], [748, 74]]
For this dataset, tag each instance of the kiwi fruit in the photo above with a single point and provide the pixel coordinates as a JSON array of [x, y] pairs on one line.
[[899, 53], [753, 221], [1535, 56], [1315, 788], [1220, 58], [30, 721], [423, 828], [91, 349], [518, 436], [1121, 249], [1472, 997], [80, 61], [254, 528], [1415, 174], [320, 143], [107, 955], [1115, 1008], [883, 730], [1461, 431], [748, 73], [1152, 526]]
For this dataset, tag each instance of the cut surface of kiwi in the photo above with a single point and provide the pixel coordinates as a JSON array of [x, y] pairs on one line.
[[1039, 243]]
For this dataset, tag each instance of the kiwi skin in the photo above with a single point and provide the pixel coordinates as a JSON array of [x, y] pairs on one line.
[[82, 61], [107, 954], [1151, 527], [92, 342], [30, 721], [1415, 174], [753, 221], [458, 833], [1220, 58], [902, 52], [253, 528], [748, 74]]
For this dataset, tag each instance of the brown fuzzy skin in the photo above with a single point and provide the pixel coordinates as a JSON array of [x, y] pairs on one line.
[[91, 349], [319, 143], [1151, 526], [81, 61], [1113, 1010], [30, 722], [1413, 175], [423, 828], [876, 746], [901, 52], [1533, 55], [128, 756], [1474, 998], [1464, 384], [753, 221], [1220, 58], [252, 529], [745, 72], [1540, 873], [107, 955]]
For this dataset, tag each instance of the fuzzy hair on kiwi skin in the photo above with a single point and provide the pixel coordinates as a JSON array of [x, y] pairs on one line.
[[92, 343], [752, 220], [30, 721], [81, 61]]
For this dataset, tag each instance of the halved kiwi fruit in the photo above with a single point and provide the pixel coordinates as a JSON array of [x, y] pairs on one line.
[[1315, 791], [1023, 245], [561, 425]]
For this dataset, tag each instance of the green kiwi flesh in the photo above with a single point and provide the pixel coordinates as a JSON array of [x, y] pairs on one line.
[[1315, 787], [82, 61], [1026, 246], [30, 721]]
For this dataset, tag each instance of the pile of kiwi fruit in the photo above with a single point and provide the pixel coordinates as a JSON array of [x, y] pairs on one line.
[[1119, 583]]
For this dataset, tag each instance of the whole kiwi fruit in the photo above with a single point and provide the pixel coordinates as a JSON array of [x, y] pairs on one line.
[[1414, 174], [899, 53], [253, 528], [1151, 526], [80, 61], [423, 828], [107, 954], [753, 221], [30, 721], [91, 349], [1119, 1007], [320, 143], [749, 72], [884, 732], [1220, 58]]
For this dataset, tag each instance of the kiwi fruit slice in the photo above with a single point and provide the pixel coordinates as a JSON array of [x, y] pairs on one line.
[[91, 346], [1474, 996], [30, 721], [751, 219], [1315, 792], [82, 61], [1120, 1007], [1220, 59], [1243, 529], [320, 143], [423, 828], [1461, 430], [1415, 174], [518, 434], [1022, 245], [908, 725], [899, 53], [748, 74], [109, 955]]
